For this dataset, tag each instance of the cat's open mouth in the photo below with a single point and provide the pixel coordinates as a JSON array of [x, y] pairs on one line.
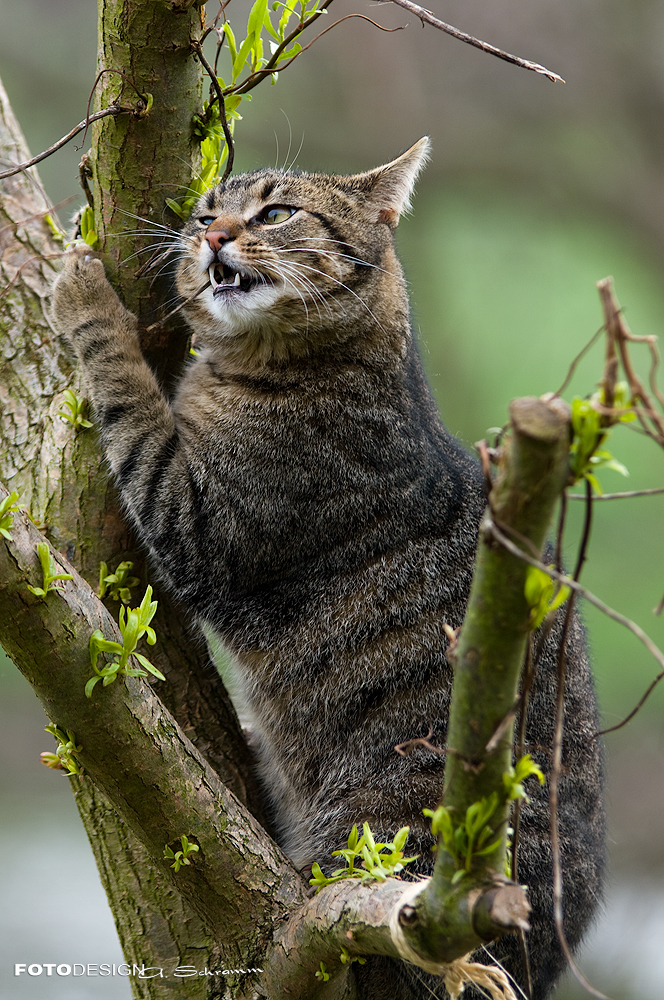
[[225, 279]]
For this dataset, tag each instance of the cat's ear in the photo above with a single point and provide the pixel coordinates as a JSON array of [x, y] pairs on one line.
[[389, 187]]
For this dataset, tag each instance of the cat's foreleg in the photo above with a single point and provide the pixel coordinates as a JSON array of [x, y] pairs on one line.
[[134, 418], [136, 423]]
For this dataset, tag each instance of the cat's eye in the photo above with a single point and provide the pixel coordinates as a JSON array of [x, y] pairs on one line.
[[207, 220], [276, 214]]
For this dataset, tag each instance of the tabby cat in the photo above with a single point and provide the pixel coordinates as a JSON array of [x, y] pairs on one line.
[[300, 496]]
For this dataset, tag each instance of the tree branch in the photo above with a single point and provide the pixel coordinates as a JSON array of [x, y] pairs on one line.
[[487, 665], [169, 789], [428, 18], [104, 113]]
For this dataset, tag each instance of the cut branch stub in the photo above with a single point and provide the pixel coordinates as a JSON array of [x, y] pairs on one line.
[[488, 659]]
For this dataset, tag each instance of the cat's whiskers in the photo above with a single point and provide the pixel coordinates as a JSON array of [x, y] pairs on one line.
[[163, 248], [336, 253], [324, 274], [293, 285], [306, 283], [150, 222]]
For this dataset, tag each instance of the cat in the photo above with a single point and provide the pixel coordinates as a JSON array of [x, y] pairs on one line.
[[300, 496]]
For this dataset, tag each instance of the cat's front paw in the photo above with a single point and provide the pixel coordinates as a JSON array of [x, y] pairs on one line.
[[83, 297]]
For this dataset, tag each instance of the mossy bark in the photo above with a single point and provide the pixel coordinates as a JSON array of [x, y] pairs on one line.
[[138, 162]]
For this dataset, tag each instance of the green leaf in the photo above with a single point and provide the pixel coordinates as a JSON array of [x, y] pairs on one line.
[[539, 593], [149, 666], [175, 207], [90, 685], [241, 57], [230, 38]]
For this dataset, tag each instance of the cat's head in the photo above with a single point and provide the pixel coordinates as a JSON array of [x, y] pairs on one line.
[[291, 256]]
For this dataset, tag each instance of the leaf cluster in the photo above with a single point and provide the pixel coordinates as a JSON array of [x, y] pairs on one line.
[[474, 836], [63, 758], [466, 840], [75, 409], [134, 624], [86, 225], [322, 973], [49, 576], [263, 27], [347, 959], [8, 508], [117, 585], [590, 428], [378, 861], [514, 777], [543, 595], [180, 858]]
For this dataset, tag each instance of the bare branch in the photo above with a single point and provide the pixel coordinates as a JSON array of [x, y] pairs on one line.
[[609, 382], [618, 496], [620, 333], [198, 49], [655, 651], [427, 17], [113, 110], [270, 67]]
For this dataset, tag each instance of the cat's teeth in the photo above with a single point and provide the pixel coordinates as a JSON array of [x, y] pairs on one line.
[[213, 280], [236, 279]]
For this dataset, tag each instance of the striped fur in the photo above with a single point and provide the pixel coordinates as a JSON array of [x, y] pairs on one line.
[[301, 496]]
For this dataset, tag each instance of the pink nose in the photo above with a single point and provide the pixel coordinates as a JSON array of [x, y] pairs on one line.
[[217, 238]]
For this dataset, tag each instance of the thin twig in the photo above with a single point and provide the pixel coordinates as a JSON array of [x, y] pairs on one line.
[[485, 458], [426, 16], [196, 45], [37, 215], [631, 715], [422, 741], [346, 17], [101, 73], [575, 361], [557, 759], [618, 496], [113, 110], [31, 260], [562, 517], [213, 25], [528, 676], [491, 526], [620, 331]]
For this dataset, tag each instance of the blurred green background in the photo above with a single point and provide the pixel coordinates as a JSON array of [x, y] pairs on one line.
[[535, 191]]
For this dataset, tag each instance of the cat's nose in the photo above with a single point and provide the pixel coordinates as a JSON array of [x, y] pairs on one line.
[[217, 237]]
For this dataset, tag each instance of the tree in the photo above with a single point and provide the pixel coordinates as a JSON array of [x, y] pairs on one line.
[[59, 475]]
